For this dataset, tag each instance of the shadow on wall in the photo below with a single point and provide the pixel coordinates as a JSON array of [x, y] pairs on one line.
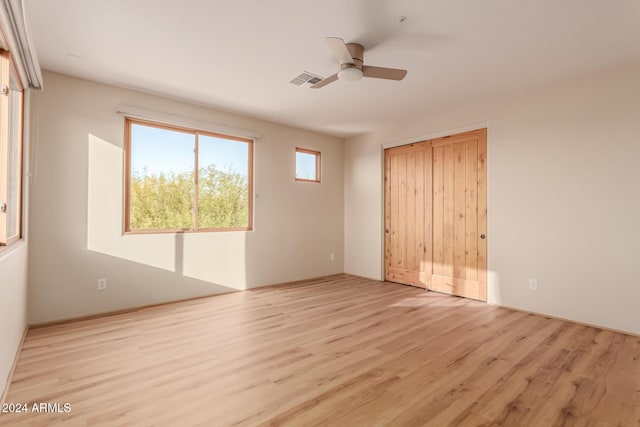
[[208, 257]]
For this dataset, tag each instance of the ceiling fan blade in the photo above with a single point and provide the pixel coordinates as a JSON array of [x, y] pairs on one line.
[[339, 49], [325, 82], [383, 73]]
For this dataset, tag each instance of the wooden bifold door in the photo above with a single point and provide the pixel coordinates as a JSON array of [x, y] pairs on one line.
[[436, 214]]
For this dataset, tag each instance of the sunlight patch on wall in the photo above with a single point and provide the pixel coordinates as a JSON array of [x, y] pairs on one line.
[[218, 257], [105, 212]]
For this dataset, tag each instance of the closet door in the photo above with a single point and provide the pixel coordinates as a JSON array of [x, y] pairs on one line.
[[408, 214], [436, 214], [460, 215]]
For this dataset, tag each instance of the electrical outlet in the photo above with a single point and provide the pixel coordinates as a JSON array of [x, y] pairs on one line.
[[332, 257], [533, 284], [102, 284]]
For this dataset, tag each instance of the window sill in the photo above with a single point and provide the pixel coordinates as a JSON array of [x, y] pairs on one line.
[[179, 231], [6, 251]]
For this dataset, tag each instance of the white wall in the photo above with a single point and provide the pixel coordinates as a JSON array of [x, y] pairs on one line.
[[563, 197], [13, 306], [76, 215]]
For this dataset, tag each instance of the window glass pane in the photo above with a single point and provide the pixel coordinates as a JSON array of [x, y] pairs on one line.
[[162, 178], [306, 166], [223, 183], [14, 174]]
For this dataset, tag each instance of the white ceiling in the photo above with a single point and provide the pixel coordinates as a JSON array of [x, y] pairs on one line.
[[240, 55]]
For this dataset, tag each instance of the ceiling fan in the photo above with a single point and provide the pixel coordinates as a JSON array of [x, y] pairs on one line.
[[350, 58]]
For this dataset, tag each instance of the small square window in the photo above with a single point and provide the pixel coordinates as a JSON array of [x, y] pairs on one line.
[[307, 165]]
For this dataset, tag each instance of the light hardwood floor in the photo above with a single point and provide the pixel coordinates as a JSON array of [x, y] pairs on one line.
[[341, 351]]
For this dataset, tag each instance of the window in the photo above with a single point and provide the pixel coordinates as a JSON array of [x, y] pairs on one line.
[[10, 153], [307, 165], [182, 179]]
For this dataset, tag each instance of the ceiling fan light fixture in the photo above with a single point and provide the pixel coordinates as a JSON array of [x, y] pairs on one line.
[[350, 74]]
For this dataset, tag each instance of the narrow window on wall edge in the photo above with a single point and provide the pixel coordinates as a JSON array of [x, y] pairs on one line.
[[307, 165], [186, 180], [11, 151]]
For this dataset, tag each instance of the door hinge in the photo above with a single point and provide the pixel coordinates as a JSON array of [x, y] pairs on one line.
[[3, 207], [4, 90]]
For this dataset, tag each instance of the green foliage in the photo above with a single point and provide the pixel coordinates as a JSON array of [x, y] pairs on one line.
[[167, 200], [223, 199]]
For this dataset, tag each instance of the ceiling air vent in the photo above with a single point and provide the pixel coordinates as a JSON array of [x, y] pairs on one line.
[[306, 78]]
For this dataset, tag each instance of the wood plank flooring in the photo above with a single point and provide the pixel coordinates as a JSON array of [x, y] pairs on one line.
[[339, 351]]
